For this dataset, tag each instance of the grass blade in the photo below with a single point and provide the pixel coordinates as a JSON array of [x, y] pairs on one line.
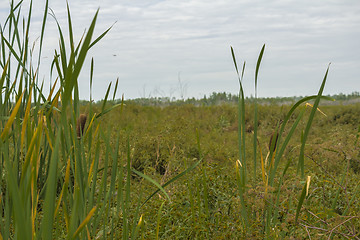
[[91, 77], [158, 220], [26, 117], [8, 124], [43, 29], [86, 220], [49, 203], [101, 36], [258, 64], [255, 109], [106, 97], [301, 199], [116, 86], [72, 74]]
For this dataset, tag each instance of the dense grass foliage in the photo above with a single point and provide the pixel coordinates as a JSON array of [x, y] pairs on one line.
[[73, 169], [163, 142]]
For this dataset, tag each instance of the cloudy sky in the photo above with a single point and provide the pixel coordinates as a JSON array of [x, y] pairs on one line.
[[173, 48]]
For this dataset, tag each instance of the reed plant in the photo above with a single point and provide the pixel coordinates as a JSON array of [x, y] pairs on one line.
[[61, 175], [271, 176]]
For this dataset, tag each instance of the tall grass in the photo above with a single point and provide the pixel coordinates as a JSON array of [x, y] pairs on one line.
[[58, 181], [270, 165]]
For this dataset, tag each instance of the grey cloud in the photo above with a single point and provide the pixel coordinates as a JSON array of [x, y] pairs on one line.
[[154, 40]]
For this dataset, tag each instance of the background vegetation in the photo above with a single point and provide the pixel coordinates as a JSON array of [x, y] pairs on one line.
[[218, 98], [164, 142]]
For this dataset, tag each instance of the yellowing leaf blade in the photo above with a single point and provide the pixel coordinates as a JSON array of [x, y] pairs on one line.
[[11, 118], [86, 220]]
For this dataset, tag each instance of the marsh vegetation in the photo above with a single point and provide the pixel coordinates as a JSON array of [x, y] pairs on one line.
[[181, 171]]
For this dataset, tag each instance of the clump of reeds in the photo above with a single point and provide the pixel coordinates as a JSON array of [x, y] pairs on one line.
[[277, 145], [31, 205]]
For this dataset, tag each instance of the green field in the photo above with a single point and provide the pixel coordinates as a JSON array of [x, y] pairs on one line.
[[222, 167], [205, 203]]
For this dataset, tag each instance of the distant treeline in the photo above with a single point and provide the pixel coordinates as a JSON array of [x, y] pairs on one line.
[[228, 98]]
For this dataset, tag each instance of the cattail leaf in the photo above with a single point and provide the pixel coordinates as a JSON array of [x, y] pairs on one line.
[[106, 97], [158, 220], [39, 91], [64, 188], [283, 146], [258, 65], [91, 171], [140, 223], [52, 90], [297, 104], [50, 195], [101, 36], [256, 110], [234, 60], [24, 231], [55, 101], [116, 86], [108, 110], [73, 73], [84, 222], [36, 136], [285, 121], [26, 117], [136, 227], [243, 71], [42, 29], [241, 176], [9, 91], [15, 54], [4, 73], [70, 28], [85, 47], [91, 77], [62, 47], [241, 119], [8, 124], [301, 201]]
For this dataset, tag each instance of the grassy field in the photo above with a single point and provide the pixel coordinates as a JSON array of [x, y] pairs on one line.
[[205, 203], [228, 171]]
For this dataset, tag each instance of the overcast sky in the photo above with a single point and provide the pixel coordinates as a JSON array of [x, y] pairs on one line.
[[155, 43]]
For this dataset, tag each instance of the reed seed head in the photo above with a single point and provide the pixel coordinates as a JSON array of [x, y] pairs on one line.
[[274, 137], [80, 125]]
